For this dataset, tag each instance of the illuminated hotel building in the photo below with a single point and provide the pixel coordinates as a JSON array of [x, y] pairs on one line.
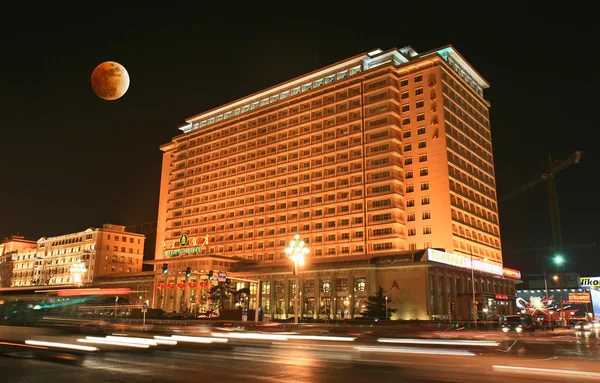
[[77, 258], [8, 249], [371, 160]]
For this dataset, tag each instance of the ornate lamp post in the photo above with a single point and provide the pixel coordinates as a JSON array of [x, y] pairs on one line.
[[296, 252], [78, 269]]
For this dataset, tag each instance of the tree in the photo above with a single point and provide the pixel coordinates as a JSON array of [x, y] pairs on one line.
[[376, 306], [241, 296], [218, 295], [5, 274], [44, 275]]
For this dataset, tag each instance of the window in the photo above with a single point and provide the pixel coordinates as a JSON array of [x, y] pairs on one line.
[[412, 232], [425, 201], [427, 230], [407, 147], [425, 186], [410, 217], [404, 82], [408, 161], [422, 144], [421, 130], [426, 215], [419, 78], [408, 175], [418, 91], [423, 172], [406, 134], [420, 104], [405, 108], [410, 202], [404, 95], [410, 188], [423, 158], [420, 117], [406, 121]]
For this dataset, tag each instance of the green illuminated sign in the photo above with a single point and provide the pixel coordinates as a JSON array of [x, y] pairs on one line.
[[191, 250]]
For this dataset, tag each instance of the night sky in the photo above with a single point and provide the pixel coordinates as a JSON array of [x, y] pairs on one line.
[[70, 160]]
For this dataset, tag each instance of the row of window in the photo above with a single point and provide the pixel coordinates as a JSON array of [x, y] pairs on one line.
[[123, 238]]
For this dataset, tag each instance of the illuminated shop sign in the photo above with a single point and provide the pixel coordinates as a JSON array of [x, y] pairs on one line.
[[189, 250], [501, 297], [590, 281], [579, 297], [463, 262], [511, 273]]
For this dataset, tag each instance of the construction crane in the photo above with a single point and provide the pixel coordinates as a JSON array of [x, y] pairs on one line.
[[548, 176]]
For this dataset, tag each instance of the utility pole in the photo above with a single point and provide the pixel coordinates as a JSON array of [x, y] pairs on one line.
[[473, 288]]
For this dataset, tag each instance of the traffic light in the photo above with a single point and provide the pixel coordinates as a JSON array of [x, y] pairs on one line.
[[210, 275], [452, 306], [188, 272], [165, 268]]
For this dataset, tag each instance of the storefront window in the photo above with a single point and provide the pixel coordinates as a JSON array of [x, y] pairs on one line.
[[360, 305], [342, 284], [292, 286], [309, 286], [360, 283], [279, 287], [431, 295], [449, 293], [266, 306], [325, 286], [440, 294], [266, 287], [458, 289], [309, 307]]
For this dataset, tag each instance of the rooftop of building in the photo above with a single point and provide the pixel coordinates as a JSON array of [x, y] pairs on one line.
[[110, 227], [17, 238], [331, 74]]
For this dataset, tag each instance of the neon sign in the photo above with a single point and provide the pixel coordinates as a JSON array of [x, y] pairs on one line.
[[511, 273], [463, 262]]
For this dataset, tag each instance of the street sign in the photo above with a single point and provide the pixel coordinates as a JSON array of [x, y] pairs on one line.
[[145, 308], [222, 277]]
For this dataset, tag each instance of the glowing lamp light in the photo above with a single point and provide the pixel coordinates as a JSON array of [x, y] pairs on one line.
[[78, 270], [559, 260]]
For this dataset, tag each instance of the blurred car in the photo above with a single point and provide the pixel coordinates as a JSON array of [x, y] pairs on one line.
[[583, 325], [95, 327], [517, 323]]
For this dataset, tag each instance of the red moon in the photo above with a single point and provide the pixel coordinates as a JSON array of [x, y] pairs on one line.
[[110, 80]]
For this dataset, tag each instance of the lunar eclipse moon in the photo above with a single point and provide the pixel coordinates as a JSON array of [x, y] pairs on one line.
[[110, 80]]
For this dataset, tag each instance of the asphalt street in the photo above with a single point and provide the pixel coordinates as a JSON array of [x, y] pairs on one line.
[[561, 358]]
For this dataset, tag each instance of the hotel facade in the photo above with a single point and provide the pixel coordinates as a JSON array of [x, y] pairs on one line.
[[382, 163]]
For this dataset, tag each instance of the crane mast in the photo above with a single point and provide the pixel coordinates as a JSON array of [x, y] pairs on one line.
[[549, 176]]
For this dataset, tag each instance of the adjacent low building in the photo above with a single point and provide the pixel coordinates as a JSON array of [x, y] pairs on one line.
[[72, 259]]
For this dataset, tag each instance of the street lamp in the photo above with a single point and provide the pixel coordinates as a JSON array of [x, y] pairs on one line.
[[78, 269], [485, 312], [296, 252], [559, 260], [386, 311]]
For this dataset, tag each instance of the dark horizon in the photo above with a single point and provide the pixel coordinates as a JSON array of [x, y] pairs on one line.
[[73, 161]]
